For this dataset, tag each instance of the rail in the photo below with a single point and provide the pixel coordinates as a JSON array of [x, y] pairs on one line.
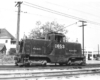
[[23, 74]]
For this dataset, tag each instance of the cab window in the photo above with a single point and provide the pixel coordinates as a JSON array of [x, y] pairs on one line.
[[59, 38]]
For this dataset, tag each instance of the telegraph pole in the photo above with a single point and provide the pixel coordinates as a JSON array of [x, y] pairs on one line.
[[18, 24], [83, 24], [98, 49]]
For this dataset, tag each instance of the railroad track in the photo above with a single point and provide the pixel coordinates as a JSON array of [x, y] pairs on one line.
[[12, 67], [27, 74]]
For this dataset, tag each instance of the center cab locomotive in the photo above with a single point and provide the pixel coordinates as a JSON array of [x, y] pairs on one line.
[[52, 49]]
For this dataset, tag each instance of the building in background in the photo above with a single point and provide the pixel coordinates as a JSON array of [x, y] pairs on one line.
[[2, 48], [7, 39], [92, 54]]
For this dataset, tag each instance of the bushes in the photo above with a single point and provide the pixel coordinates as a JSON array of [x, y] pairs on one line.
[[6, 59], [12, 51]]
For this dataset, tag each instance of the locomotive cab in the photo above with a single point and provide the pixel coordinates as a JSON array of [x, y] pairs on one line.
[[57, 37], [64, 50]]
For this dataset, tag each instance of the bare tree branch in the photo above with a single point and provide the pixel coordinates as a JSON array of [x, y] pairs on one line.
[[47, 28]]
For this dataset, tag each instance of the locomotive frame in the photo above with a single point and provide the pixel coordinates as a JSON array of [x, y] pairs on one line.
[[52, 49]]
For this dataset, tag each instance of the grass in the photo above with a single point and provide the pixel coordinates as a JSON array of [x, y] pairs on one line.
[[6, 59]]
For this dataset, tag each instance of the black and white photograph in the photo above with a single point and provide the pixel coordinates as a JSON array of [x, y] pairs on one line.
[[49, 39]]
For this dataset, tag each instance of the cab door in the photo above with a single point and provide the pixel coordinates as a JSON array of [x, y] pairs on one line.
[[59, 52]]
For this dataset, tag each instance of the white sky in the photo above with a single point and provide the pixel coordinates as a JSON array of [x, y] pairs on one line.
[[86, 9]]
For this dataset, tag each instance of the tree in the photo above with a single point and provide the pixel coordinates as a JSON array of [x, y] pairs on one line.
[[48, 27]]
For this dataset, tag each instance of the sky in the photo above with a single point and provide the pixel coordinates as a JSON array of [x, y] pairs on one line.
[[75, 10]]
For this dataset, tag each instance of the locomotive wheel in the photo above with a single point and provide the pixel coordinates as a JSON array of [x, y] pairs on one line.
[[45, 63], [61, 64], [27, 65], [69, 62], [83, 64], [16, 64], [19, 65]]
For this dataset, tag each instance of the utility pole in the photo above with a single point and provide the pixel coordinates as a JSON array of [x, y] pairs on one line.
[[18, 24], [83, 24], [98, 49]]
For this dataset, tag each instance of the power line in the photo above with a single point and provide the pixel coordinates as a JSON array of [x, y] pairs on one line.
[[58, 13], [36, 14], [71, 24], [25, 12], [53, 11], [73, 9]]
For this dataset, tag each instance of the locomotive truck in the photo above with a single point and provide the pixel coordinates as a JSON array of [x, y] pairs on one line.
[[52, 49]]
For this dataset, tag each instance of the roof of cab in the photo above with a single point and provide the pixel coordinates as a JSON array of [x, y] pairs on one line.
[[55, 33]]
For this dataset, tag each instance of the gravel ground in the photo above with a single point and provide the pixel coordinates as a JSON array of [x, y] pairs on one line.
[[93, 61], [77, 77]]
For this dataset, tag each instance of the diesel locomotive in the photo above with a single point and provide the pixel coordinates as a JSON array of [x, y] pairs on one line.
[[52, 49]]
